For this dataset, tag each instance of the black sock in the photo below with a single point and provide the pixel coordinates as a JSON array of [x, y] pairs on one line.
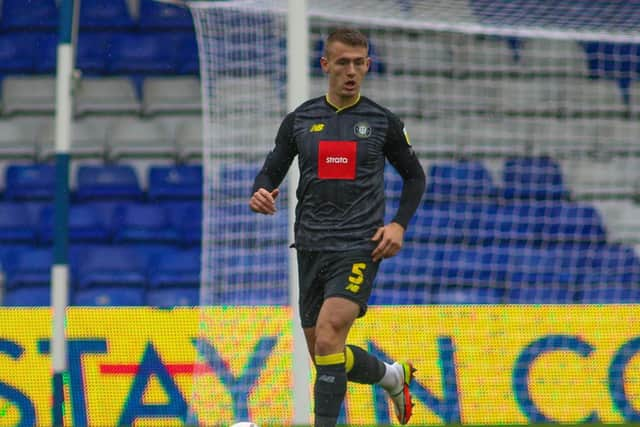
[[363, 367], [329, 389]]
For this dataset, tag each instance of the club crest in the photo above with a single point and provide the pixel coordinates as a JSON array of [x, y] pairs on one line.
[[362, 130]]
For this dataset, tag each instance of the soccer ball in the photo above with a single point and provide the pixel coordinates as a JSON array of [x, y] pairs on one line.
[[245, 424]]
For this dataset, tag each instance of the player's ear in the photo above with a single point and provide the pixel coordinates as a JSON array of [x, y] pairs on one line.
[[324, 63], [368, 63]]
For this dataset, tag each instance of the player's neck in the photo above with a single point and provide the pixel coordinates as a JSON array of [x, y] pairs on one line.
[[340, 103]]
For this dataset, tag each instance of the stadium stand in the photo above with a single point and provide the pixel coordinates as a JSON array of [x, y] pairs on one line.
[[132, 136], [16, 54], [156, 16], [142, 223], [109, 296], [107, 182], [175, 95], [175, 268], [16, 223], [136, 241], [28, 297], [18, 15], [106, 15], [86, 225], [28, 94], [30, 182], [28, 268], [175, 182], [106, 95]]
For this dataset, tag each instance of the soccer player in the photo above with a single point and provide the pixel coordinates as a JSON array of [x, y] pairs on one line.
[[342, 140]]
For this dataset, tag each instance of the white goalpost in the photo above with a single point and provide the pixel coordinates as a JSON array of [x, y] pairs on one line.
[[525, 116]]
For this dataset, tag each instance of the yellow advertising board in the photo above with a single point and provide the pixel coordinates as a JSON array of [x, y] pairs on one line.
[[476, 365]]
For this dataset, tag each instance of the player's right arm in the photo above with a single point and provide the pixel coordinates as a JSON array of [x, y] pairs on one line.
[[274, 169]]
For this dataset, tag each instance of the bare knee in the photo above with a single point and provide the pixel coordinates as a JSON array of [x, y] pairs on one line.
[[333, 324], [330, 336]]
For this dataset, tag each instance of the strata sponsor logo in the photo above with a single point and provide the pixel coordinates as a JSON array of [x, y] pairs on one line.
[[336, 160]]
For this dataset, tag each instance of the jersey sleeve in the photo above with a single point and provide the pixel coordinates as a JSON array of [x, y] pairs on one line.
[[400, 154], [279, 159]]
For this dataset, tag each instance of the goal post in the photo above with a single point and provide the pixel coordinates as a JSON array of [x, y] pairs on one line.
[[525, 116]]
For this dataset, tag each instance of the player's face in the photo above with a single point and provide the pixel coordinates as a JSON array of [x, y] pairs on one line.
[[346, 67]]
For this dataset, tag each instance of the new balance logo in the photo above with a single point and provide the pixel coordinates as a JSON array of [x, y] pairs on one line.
[[318, 127], [327, 378]]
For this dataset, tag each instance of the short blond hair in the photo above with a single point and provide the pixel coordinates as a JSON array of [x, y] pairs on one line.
[[348, 36]]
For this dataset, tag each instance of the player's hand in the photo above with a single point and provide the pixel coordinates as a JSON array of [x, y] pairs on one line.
[[264, 202], [389, 238]]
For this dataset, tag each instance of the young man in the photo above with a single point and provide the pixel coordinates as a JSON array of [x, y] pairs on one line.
[[342, 140]]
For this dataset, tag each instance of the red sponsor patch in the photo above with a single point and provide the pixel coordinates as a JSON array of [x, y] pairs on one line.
[[337, 159]]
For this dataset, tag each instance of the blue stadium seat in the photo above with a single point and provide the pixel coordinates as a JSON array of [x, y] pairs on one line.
[[175, 182], [109, 266], [451, 273], [473, 222], [91, 52], [611, 294], [542, 294], [162, 16], [172, 297], [266, 269], [486, 222], [434, 266], [115, 182], [28, 268], [30, 182], [16, 223], [188, 59], [516, 222], [143, 54], [234, 222], [570, 222], [614, 61], [537, 178], [175, 269], [143, 223], [28, 297], [544, 275], [431, 222], [235, 178], [186, 218], [32, 15], [105, 15], [104, 296], [45, 50], [85, 224], [16, 53], [610, 266], [459, 180]]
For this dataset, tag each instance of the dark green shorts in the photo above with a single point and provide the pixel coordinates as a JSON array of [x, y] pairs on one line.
[[347, 274]]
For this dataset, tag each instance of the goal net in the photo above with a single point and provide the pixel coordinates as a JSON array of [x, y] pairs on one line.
[[525, 116]]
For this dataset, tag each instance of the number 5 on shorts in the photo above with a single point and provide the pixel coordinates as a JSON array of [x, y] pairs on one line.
[[357, 277]]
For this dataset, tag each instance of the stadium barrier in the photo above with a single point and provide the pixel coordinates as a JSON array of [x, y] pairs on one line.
[[476, 364]]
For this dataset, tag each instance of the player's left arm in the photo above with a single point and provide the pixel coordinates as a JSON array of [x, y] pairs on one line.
[[402, 157]]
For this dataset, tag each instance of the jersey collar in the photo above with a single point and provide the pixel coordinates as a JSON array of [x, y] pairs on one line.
[[339, 109]]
